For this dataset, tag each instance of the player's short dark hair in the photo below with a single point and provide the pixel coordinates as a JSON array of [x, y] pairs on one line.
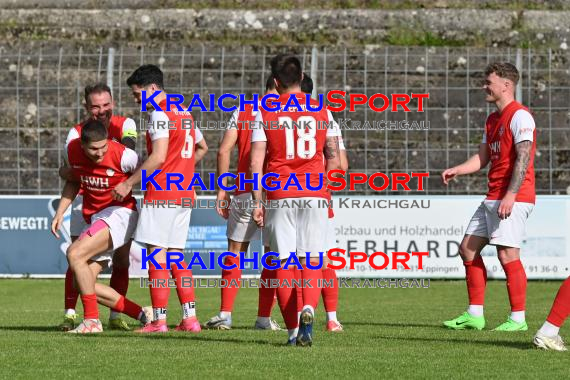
[[93, 130], [146, 75], [270, 83], [503, 70], [307, 84], [286, 68], [96, 88]]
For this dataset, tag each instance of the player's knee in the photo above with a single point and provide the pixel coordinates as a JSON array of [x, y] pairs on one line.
[[74, 254], [465, 252]]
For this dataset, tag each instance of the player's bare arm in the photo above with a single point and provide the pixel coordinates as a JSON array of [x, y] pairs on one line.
[[65, 173], [332, 153], [224, 153], [343, 160], [129, 142], [68, 194], [200, 150], [523, 150], [153, 162], [472, 165], [258, 149]]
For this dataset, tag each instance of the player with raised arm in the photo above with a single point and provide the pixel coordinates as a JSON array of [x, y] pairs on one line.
[[329, 293], [299, 149], [99, 164], [241, 226], [509, 143], [172, 148], [99, 105]]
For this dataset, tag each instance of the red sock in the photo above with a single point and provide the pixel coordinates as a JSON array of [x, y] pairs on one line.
[[159, 295], [120, 281], [90, 308], [312, 293], [516, 284], [126, 306], [287, 297], [476, 277], [71, 294], [183, 287], [266, 294], [561, 306], [330, 294], [299, 277], [229, 293]]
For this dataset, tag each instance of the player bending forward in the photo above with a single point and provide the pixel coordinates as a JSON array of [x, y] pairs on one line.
[[241, 226], [99, 105], [509, 143], [165, 228], [99, 164], [300, 151]]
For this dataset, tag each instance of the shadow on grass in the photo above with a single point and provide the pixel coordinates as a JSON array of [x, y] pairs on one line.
[[494, 343], [389, 324], [113, 334]]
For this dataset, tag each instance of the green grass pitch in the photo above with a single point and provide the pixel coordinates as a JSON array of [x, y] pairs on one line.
[[388, 333]]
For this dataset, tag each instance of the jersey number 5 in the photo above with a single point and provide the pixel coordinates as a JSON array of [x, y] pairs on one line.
[[306, 132]]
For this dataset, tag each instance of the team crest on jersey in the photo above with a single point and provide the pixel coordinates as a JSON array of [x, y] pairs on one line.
[[110, 172], [501, 130], [114, 139]]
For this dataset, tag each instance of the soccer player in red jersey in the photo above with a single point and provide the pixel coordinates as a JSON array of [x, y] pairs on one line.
[[509, 143], [99, 164], [299, 150], [172, 149], [241, 227], [329, 293], [99, 105]]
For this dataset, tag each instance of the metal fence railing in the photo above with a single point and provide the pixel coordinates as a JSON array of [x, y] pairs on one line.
[[42, 99]]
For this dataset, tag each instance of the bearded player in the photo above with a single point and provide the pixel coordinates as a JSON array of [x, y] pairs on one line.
[[241, 227], [99, 105], [99, 164], [509, 143], [173, 147], [299, 150]]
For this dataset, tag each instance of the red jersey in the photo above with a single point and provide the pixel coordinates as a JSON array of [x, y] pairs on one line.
[[180, 154], [502, 132], [97, 180], [244, 120], [118, 127], [297, 149]]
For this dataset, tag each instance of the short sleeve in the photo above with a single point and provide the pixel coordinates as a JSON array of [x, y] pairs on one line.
[[158, 125], [522, 126], [72, 135], [258, 133], [333, 129], [129, 129], [198, 134], [129, 161]]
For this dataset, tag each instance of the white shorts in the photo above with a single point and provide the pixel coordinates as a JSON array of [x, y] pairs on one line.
[[331, 234], [122, 222], [77, 224], [241, 226], [297, 230], [163, 226], [508, 232]]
